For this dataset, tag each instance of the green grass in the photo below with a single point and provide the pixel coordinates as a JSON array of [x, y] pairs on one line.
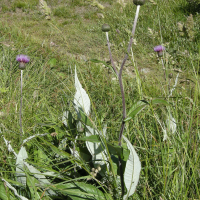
[[170, 169]]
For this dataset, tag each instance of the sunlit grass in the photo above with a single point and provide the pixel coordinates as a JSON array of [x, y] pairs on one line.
[[170, 169]]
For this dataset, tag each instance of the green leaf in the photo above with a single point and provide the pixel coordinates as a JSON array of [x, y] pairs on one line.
[[59, 152], [92, 138], [52, 62], [115, 149], [31, 181], [80, 190], [3, 192], [136, 108], [159, 101], [84, 118]]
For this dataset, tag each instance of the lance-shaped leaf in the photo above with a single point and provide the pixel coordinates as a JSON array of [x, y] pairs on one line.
[[81, 98], [171, 123], [39, 176], [159, 101], [81, 191], [20, 174], [135, 109], [132, 170], [13, 189]]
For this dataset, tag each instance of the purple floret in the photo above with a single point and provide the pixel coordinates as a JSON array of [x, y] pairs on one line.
[[159, 48], [23, 58]]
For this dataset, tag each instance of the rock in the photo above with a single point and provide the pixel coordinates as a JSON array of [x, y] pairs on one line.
[[100, 15]]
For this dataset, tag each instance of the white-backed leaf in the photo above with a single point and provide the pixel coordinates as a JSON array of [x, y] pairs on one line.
[[21, 156], [33, 136], [63, 144], [14, 190], [40, 177], [171, 123], [97, 150], [81, 98], [64, 117], [76, 154], [132, 170], [10, 149], [165, 136]]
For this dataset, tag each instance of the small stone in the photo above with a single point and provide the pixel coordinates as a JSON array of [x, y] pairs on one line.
[[100, 15]]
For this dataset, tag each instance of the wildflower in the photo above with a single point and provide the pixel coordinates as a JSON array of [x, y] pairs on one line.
[[159, 49], [23, 59]]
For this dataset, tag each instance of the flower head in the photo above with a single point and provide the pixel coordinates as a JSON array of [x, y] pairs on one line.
[[23, 59], [159, 49]]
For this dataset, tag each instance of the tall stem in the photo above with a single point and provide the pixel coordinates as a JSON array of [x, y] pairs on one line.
[[164, 69], [111, 58], [123, 97], [20, 112], [120, 74]]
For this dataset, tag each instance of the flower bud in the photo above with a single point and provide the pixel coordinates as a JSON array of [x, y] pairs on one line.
[[170, 75], [105, 28], [139, 2]]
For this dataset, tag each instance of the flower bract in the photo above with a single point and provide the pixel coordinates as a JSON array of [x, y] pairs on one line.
[[159, 49], [22, 59]]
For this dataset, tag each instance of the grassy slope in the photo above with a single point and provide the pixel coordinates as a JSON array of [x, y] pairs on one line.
[[73, 35]]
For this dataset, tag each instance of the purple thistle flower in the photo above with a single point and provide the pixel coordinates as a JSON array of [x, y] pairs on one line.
[[159, 49], [23, 59]]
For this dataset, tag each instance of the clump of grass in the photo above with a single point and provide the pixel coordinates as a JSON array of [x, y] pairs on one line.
[[19, 4], [65, 12]]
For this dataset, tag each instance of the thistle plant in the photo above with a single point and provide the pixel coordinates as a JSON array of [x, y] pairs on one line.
[[22, 59], [106, 28]]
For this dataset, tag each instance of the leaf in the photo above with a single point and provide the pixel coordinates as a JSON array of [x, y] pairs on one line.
[[65, 117], [81, 98], [132, 170], [84, 118], [80, 190], [31, 183], [115, 149], [40, 177], [97, 150], [14, 190], [136, 108], [92, 138], [171, 123], [33, 136], [159, 101], [21, 156], [52, 62], [3, 192]]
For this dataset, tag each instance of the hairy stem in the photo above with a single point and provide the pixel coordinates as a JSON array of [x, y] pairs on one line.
[[164, 69], [120, 74], [111, 58], [123, 97], [20, 112]]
